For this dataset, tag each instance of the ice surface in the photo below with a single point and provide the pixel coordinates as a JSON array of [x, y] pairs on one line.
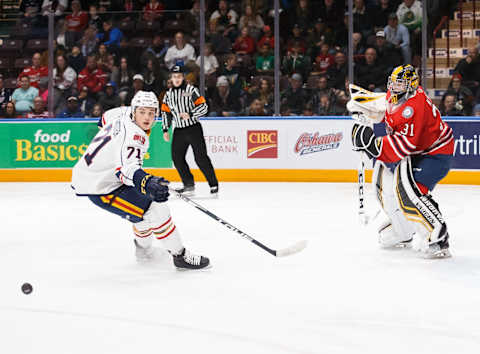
[[342, 294]]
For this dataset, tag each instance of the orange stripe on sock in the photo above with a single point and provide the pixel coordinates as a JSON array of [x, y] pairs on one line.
[[168, 234]]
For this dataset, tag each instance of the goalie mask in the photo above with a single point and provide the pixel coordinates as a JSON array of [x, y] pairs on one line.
[[402, 83]]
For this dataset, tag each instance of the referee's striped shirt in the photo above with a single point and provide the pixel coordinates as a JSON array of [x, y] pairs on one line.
[[183, 99]]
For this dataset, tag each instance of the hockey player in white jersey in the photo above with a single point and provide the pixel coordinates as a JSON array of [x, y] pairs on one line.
[[110, 174]]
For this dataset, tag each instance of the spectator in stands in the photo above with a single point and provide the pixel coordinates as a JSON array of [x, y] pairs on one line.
[[244, 44], [398, 35], [4, 94], [111, 36], [102, 57], [9, 111], [96, 112], [331, 12], [76, 60], [62, 38], [110, 99], [210, 62], [38, 110], [180, 52], [77, 21], [58, 6], [469, 69], [341, 34], [385, 8], [303, 14], [371, 74], [223, 103], [220, 43], [30, 10], [363, 18], [265, 60], [156, 50], [94, 19], [224, 16], [230, 71], [88, 42], [297, 37], [23, 96], [321, 89], [323, 61], [267, 38], [92, 77], [450, 106], [264, 93], [386, 52], [463, 95], [151, 77], [476, 110], [124, 78], [72, 110], [256, 108], [308, 110], [138, 83], [337, 73], [64, 78], [153, 11], [252, 21], [85, 103], [410, 15], [326, 106], [296, 62], [358, 48], [295, 97], [317, 36], [34, 72]]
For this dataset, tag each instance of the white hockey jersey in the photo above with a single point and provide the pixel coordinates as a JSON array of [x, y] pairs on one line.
[[113, 155]]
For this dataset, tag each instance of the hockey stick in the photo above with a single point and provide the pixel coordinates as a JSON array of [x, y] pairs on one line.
[[295, 248]]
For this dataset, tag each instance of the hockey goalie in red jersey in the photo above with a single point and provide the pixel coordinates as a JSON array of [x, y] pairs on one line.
[[418, 148]]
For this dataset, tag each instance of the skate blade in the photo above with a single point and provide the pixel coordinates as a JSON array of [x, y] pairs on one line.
[[439, 254], [401, 245], [195, 270]]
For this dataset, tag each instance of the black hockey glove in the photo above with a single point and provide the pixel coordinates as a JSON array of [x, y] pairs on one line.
[[364, 139], [156, 188]]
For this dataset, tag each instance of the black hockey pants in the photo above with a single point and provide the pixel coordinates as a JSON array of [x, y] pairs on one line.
[[182, 139]]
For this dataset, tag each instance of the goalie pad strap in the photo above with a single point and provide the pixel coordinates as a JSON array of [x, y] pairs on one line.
[[417, 207]]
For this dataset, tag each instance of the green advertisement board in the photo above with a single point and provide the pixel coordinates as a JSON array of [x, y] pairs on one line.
[[59, 144]]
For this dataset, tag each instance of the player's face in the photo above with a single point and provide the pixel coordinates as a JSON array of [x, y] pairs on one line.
[[145, 117]]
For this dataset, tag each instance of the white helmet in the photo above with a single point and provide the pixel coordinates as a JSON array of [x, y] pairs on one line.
[[144, 99]]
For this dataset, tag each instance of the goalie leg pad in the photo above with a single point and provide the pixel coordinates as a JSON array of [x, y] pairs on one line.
[[393, 228], [421, 210]]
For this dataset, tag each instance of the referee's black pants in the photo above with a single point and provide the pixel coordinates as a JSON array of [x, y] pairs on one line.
[[182, 139]]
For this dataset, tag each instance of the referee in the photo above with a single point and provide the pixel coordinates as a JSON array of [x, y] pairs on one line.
[[183, 105]]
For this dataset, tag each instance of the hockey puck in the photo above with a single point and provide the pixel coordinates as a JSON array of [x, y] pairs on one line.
[[27, 288]]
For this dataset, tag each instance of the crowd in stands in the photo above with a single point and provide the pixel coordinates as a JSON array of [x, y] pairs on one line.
[[98, 66]]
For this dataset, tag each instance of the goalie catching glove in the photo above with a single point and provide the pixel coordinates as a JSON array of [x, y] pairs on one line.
[[364, 139], [156, 188]]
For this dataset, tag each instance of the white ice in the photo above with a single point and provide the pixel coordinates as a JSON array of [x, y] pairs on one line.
[[342, 294]]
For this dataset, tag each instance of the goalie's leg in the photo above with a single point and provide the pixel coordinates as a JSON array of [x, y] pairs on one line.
[[431, 236], [394, 230]]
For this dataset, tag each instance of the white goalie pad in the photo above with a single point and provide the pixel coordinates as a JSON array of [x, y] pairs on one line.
[[372, 104]]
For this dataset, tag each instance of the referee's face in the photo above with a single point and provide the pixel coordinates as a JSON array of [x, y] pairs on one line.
[[177, 79], [145, 117]]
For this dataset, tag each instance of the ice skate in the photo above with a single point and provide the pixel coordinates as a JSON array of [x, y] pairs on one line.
[[214, 191], [186, 190], [438, 250], [186, 260]]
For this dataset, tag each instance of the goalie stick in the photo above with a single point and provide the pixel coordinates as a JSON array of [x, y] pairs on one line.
[[362, 216], [295, 248]]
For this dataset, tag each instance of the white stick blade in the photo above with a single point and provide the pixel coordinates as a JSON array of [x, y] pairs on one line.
[[299, 246]]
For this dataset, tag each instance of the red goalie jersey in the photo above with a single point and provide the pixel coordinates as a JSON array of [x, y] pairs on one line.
[[415, 127]]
